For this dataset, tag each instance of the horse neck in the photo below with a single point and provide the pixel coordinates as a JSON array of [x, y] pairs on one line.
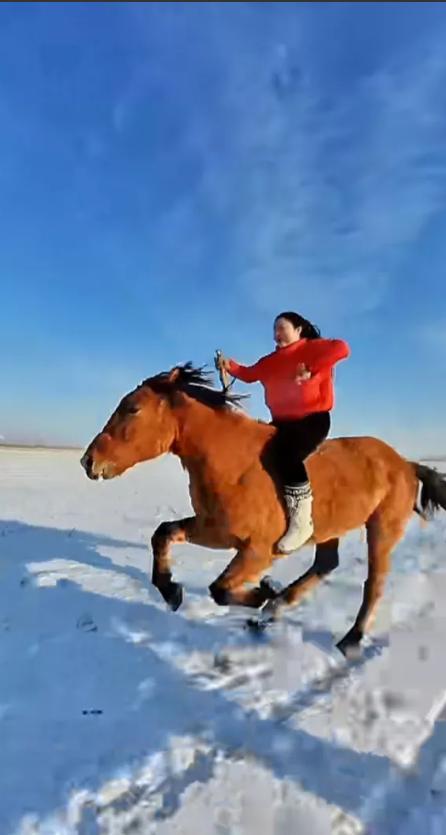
[[221, 438]]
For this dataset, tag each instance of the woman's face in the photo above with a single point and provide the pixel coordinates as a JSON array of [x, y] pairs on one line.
[[285, 333]]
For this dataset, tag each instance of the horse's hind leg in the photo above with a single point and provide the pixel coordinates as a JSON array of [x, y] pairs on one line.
[[384, 530], [247, 566], [325, 561]]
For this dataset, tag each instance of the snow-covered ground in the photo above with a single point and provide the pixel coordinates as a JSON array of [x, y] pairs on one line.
[[118, 716]]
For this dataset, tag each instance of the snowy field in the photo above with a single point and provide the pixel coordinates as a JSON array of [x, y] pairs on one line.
[[118, 716]]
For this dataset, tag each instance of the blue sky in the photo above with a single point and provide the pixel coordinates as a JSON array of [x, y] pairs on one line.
[[173, 175]]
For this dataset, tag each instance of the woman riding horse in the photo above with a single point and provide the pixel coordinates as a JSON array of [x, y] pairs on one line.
[[298, 382]]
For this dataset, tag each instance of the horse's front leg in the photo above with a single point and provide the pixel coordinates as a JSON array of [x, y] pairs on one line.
[[193, 529], [166, 535], [248, 566]]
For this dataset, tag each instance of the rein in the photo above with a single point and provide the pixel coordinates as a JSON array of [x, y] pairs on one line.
[[225, 381]]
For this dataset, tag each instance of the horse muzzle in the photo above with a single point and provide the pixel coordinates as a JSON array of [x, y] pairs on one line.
[[94, 470], [87, 462]]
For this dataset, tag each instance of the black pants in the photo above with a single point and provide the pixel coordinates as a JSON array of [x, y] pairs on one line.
[[294, 441]]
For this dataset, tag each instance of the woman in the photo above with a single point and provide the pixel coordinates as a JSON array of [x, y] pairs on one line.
[[298, 382]]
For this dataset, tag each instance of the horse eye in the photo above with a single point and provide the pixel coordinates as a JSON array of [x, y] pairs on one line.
[[125, 409]]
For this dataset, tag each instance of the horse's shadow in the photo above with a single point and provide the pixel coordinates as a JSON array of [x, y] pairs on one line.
[[83, 697], [28, 543]]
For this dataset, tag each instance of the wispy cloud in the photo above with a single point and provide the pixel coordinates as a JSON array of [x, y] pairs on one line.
[[330, 195], [319, 194]]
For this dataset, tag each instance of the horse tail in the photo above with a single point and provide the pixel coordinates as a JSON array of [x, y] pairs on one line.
[[433, 490]]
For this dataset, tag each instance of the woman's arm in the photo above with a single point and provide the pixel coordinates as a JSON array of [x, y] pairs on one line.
[[327, 353], [245, 373]]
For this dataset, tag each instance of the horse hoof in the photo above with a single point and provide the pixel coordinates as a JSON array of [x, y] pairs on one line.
[[256, 626], [266, 617], [221, 596], [174, 596], [351, 650], [271, 587]]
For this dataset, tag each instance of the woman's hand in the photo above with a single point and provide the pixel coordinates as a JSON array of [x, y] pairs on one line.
[[302, 373], [222, 363]]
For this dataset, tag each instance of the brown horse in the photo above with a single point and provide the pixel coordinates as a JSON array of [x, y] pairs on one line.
[[237, 500]]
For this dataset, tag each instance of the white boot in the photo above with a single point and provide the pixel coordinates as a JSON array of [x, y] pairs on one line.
[[298, 500]]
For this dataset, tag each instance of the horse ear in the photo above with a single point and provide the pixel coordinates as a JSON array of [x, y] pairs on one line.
[[173, 375]]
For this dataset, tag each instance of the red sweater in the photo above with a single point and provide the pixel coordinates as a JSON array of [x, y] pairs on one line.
[[286, 397]]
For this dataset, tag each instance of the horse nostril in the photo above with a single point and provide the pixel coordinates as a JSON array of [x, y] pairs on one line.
[[86, 462]]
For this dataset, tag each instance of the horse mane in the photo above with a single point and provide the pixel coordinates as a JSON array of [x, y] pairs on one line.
[[196, 383]]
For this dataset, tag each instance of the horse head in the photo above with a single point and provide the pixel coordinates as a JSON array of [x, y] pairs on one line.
[[145, 424]]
